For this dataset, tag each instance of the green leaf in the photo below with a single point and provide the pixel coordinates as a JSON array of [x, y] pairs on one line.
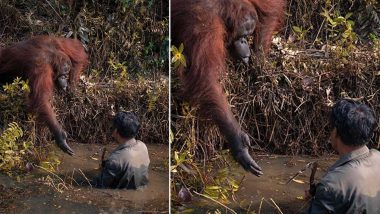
[[174, 49], [171, 136], [348, 15], [213, 187], [176, 158], [297, 29], [339, 20], [181, 48]]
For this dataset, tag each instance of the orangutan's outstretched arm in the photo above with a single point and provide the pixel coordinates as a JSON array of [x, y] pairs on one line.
[[41, 87], [207, 53]]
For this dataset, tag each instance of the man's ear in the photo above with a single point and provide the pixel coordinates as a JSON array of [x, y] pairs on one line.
[[115, 133], [336, 135], [334, 138]]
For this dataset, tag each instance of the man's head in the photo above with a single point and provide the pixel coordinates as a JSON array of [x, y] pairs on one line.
[[126, 125], [352, 122]]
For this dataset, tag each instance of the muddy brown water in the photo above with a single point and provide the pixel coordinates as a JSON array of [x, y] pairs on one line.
[[35, 194], [263, 194]]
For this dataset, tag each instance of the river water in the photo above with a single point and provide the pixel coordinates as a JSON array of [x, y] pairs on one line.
[[266, 194], [35, 193], [269, 193]]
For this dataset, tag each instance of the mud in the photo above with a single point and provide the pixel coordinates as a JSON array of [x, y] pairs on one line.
[[263, 194], [39, 191]]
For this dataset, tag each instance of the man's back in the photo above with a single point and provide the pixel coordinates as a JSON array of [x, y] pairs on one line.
[[126, 167], [351, 185], [133, 162]]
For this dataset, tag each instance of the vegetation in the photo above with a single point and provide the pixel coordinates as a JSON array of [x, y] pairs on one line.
[[15, 147], [12, 152]]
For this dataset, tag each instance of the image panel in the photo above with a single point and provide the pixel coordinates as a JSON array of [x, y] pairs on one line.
[[253, 86], [84, 105]]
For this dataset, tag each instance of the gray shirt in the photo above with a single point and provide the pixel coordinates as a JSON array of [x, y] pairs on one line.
[[126, 167], [351, 185]]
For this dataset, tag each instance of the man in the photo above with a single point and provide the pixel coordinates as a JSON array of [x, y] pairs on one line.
[[127, 166], [352, 184]]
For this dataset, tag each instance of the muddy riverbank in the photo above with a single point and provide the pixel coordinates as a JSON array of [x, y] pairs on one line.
[[39, 191], [270, 192]]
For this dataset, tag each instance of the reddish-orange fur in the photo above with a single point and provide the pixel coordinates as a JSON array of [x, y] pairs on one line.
[[39, 60], [201, 26]]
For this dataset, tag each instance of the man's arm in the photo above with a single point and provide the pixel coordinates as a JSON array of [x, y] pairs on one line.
[[108, 175], [326, 200]]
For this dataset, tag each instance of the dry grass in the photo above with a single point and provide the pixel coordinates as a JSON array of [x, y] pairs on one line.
[[87, 116], [283, 101]]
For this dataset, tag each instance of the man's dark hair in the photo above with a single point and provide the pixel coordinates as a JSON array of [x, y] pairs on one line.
[[127, 124], [354, 122]]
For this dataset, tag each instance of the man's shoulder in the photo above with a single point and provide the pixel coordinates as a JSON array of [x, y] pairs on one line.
[[375, 154], [138, 148], [142, 145], [349, 174], [352, 166], [339, 177], [140, 142]]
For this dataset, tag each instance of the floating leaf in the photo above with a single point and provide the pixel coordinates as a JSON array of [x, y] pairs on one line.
[[299, 181]]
